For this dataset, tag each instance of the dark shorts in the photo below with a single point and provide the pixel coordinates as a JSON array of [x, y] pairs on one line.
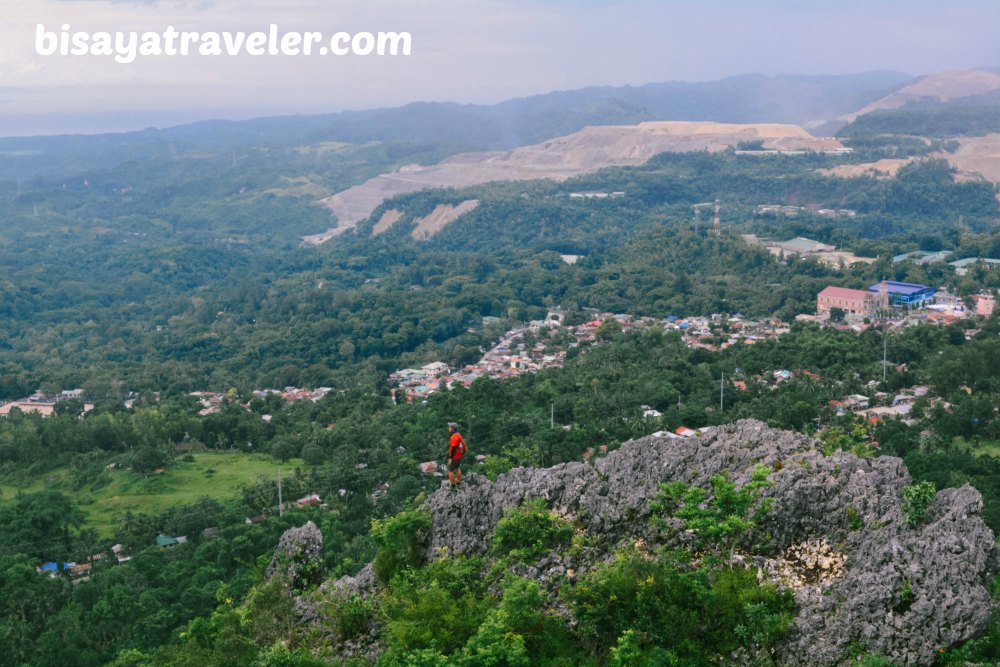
[[455, 465]]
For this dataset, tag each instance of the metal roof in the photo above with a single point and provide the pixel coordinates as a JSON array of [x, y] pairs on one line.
[[899, 288]]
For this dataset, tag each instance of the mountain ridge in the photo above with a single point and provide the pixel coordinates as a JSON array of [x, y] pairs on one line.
[[501, 126]]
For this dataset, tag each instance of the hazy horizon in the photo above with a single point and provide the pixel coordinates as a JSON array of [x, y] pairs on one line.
[[470, 53]]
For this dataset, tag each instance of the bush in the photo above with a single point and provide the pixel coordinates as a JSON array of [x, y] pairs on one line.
[[401, 542], [916, 499], [721, 521], [531, 530], [711, 611], [425, 615]]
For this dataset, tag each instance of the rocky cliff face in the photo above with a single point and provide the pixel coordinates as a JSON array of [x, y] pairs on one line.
[[299, 557], [863, 578]]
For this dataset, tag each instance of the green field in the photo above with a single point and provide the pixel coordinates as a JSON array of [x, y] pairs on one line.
[[217, 475], [988, 448]]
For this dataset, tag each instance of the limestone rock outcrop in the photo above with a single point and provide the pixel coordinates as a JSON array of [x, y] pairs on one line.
[[865, 577], [299, 557]]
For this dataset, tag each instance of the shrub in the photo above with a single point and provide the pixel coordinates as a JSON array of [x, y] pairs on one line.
[[711, 611], [352, 616], [854, 520], [531, 530], [401, 542], [425, 615], [718, 522], [916, 499]]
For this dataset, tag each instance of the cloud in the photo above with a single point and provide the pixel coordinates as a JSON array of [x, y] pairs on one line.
[[482, 51]]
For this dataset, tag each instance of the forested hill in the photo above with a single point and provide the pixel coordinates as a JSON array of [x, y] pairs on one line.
[[747, 98], [189, 277]]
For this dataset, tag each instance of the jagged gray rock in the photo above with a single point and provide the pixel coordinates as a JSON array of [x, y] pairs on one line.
[[299, 557], [902, 591]]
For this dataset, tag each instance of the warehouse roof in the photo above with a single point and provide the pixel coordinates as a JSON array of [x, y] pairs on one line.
[[899, 288]]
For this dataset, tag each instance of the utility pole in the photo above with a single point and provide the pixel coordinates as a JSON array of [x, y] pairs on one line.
[[884, 349], [552, 415], [722, 389], [281, 506]]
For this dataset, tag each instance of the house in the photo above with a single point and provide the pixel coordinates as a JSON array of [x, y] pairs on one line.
[[80, 569], [117, 551], [857, 402], [428, 467], [435, 368], [985, 303], [312, 500], [50, 568], [650, 413], [685, 432]]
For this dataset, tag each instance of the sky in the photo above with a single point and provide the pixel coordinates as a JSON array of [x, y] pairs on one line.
[[469, 51]]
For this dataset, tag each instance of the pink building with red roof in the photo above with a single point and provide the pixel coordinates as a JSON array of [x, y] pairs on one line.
[[860, 303]]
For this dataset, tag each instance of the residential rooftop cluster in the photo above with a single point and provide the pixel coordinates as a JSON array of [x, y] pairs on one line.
[[211, 401], [512, 356], [81, 571], [719, 331]]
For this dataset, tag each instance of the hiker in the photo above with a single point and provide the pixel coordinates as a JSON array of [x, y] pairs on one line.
[[456, 450]]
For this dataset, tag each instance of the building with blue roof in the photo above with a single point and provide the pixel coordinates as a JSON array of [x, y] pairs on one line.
[[904, 294]]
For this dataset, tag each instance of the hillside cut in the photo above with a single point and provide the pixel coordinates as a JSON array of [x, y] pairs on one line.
[[588, 150]]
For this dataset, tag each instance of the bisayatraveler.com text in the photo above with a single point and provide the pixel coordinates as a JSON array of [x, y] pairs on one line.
[[128, 46]]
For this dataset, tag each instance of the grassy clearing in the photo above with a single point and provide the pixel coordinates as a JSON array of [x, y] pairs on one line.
[[988, 448], [214, 474]]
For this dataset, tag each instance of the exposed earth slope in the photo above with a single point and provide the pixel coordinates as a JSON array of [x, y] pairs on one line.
[[941, 86], [585, 151]]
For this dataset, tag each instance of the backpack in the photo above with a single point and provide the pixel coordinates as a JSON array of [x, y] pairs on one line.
[[461, 448]]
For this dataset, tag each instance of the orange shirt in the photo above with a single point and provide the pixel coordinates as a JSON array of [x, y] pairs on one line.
[[454, 450]]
